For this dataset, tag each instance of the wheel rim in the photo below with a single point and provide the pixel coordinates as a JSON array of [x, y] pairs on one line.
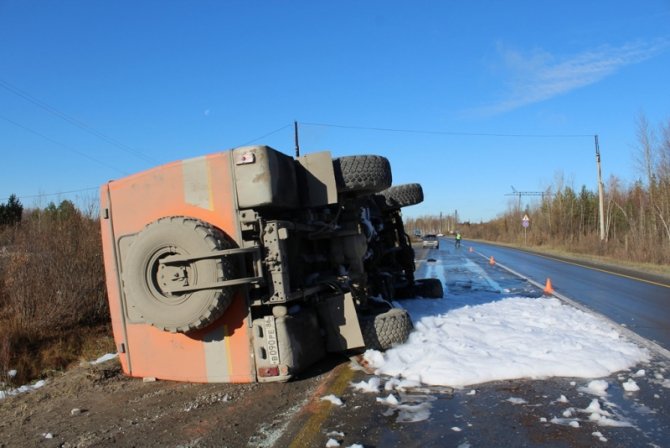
[[160, 276]]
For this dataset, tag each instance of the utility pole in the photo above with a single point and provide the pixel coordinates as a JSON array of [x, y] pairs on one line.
[[601, 195], [295, 133]]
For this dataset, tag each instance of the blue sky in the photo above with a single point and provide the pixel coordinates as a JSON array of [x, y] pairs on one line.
[[509, 93]]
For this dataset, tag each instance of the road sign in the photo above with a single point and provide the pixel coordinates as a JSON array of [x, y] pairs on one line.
[[525, 222]]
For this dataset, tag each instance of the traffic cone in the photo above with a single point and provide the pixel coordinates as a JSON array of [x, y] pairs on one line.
[[492, 261], [548, 289]]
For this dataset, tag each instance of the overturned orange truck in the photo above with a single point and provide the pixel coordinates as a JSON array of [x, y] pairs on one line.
[[250, 265]]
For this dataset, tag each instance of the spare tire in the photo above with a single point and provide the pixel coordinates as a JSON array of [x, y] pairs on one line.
[[382, 331], [147, 282], [402, 196], [362, 174]]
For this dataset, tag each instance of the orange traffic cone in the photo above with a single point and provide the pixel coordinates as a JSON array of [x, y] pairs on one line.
[[548, 289], [492, 261]]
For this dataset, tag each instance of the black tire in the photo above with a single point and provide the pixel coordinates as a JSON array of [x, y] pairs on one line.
[[384, 330], [429, 288], [144, 277], [402, 196], [362, 174]]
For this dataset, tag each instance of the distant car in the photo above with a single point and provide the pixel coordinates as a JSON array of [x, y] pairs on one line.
[[430, 241]]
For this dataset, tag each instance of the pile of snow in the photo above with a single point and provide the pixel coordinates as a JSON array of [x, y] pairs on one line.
[[28, 388], [370, 386], [336, 438], [407, 407], [105, 358], [630, 386], [513, 338], [19, 390], [333, 399], [603, 417], [596, 387], [594, 412]]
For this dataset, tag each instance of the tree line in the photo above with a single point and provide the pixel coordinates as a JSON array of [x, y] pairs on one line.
[[636, 216], [11, 212]]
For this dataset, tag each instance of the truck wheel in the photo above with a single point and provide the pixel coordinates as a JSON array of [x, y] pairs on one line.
[[429, 288], [384, 330], [147, 281], [362, 174], [402, 196]]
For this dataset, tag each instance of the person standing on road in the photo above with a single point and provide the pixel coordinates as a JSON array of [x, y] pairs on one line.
[[458, 239]]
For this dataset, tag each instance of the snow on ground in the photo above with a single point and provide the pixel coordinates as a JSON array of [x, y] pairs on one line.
[[333, 399], [596, 387], [22, 389], [481, 331], [512, 338], [105, 358], [370, 386], [417, 407], [27, 388], [630, 386]]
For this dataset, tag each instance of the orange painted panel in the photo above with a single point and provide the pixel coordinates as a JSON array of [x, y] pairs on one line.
[[113, 295], [200, 188], [156, 353]]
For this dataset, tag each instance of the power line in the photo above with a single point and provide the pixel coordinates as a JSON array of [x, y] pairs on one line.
[[466, 134], [63, 145], [267, 135], [73, 121], [93, 159], [41, 195], [31, 196]]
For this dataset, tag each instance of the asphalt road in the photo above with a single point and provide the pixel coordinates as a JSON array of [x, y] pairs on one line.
[[486, 415], [640, 304]]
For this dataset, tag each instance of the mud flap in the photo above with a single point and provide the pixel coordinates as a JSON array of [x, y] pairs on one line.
[[284, 346], [339, 319]]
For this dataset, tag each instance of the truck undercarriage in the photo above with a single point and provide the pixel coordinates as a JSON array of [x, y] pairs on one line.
[[257, 264]]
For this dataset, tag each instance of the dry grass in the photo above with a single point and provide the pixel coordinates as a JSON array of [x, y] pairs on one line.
[[34, 356], [53, 306], [662, 270], [619, 260]]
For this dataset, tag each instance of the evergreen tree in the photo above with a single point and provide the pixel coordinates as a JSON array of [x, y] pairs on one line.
[[11, 212]]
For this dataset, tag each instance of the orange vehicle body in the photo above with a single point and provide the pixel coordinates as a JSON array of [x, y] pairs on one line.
[[201, 188], [250, 265]]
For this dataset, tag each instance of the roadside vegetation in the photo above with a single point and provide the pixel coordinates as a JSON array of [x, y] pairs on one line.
[[636, 216], [53, 307]]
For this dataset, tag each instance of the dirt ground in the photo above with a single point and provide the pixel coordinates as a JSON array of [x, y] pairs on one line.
[[99, 406]]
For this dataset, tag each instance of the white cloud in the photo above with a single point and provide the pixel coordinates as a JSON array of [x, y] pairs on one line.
[[538, 75]]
